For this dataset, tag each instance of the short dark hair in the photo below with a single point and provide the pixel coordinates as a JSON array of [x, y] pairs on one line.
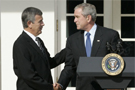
[[29, 15]]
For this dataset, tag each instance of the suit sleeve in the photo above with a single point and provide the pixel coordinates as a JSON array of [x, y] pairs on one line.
[[69, 69], [24, 69], [57, 59], [114, 40]]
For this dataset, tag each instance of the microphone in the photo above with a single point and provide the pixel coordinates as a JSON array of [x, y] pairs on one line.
[[108, 46], [120, 41], [119, 46]]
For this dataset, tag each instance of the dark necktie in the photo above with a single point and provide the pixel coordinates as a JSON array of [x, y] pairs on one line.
[[40, 45], [88, 45]]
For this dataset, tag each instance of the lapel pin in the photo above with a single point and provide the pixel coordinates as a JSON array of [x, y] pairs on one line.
[[98, 40]]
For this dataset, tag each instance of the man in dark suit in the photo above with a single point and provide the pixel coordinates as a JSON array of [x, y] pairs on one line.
[[90, 41], [31, 60]]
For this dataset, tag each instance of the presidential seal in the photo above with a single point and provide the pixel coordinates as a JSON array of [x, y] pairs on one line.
[[112, 64]]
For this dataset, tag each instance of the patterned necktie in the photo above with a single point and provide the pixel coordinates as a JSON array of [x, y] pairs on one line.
[[40, 45], [88, 45]]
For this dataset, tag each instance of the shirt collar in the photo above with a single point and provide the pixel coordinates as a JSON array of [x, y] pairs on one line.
[[31, 35], [92, 30]]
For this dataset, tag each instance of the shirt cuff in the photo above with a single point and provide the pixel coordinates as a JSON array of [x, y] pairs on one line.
[[60, 85]]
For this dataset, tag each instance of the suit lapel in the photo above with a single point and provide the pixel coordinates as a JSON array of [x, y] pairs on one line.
[[80, 43], [97, 41], [34, 45], [36, 48]]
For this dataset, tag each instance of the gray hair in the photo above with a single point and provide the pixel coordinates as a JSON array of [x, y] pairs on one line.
[[29, 15], [87, 9]]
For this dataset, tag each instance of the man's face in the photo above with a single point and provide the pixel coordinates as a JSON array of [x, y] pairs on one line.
[[80, 20], [37, 25]]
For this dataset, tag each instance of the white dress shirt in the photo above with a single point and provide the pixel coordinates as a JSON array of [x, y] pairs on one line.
[[32, 36], [92, 34]]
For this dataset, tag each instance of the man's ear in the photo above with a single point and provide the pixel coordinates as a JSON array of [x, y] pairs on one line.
[[89, 18], [29, 23]]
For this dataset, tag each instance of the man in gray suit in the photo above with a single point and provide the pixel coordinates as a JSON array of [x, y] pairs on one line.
[[90, 41]]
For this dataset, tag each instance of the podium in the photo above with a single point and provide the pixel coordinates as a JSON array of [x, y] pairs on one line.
[[91, 66]]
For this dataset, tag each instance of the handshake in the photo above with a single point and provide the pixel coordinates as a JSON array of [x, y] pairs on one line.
[[57, 86]]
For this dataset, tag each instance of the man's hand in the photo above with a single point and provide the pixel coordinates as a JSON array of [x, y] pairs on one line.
[[56, 86]]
